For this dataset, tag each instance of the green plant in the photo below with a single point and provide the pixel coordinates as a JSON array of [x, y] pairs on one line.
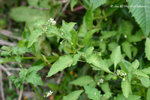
[[111, 58]]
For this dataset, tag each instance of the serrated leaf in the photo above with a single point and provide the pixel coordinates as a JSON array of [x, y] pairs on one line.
[[33, 3], [73, 95], [140, 73], [98, 62], [88, 19], [108, 34], [97, 3], [142, 14], [145, 81], [23, 74], [82, 81], [73, 3], [116, 56], [147, 48], [131, 97], [92, 93], [148, 94], [34, 79], [136, 38], [89, 51], [89, 35], [62, 63], [67, 27], [135, 64], [66, 30], [146, 70], [76, 57], [105, 87], [126, 46], [34, 36], [5, 60], [35, 68], [126, 88], [125, 28]]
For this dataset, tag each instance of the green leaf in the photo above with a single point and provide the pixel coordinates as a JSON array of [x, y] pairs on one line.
[[34, 79], [73, 3], [135, 64], [131, 97], [34, 36], [33, 3], [88, 18], [126, 46], [92, 93], [76, 57], [98, 62], [62, 63], [125, 28], [147, 48], [22, 74], [145, 81], [73, 95], [97, 3], [108, 34], [146, 70], [148, 94], [116, 56], [136, 38], [52, 31], [67, 27], [5, 60], [35, 68], [126, 88], [142, 14], [105, 87], [89, 35], [82, 81], [140, 73], [89, 51], [66, 30], [25, 14]]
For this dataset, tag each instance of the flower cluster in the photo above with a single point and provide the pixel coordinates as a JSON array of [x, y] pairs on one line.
[[48, 94], [52, 21], [101, 81], [121, 73]]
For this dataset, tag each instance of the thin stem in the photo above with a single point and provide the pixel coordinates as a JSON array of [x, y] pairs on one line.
[[38, 94]]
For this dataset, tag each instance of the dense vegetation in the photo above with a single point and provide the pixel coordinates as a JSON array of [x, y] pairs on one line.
[[75, 50]]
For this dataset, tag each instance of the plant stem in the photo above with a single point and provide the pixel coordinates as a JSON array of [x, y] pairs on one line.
[[38, 94]]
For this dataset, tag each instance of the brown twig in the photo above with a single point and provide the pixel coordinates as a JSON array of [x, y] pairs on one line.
[[2, 42], [5, 70], [64, 8], [1, 86], [60, 77], [9, 34], [20, 94]]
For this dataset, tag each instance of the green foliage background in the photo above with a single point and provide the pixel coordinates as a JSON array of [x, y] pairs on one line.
[[101, 54]]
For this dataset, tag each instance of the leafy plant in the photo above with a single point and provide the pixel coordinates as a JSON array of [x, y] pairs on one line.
[[105, 58]]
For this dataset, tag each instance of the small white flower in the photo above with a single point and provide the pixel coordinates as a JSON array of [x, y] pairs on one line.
[[49, 93], [125, 36], [123, 79], [101, 80], [62, 33], [125, 74], [52, 21]]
